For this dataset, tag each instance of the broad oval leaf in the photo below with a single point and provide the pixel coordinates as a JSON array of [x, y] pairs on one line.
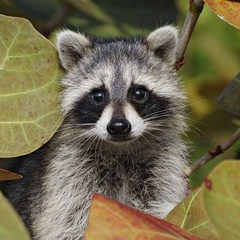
[[7, 175], [11, 227], [191, 215], [230, 97], [228, 10], [111, 220], [221, 196], [29, 88]]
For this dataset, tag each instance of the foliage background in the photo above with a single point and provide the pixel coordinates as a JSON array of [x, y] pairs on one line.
[[212, 57]]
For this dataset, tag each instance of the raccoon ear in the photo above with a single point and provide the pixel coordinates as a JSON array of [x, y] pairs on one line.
[[71, 46], [163, 42]]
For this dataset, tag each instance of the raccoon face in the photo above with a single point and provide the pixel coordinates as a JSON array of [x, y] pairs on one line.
[[121, 89]]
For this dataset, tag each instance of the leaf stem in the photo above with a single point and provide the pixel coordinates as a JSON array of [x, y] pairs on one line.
[[212, 153], [195, 9]]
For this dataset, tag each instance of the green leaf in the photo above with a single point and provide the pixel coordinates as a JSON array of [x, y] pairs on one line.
[[29, 88], [11, 227], [227, 10], [191, 216], [230, 97], [221, 196], [7, 175]]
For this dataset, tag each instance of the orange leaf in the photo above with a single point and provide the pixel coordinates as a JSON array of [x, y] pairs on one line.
[[228, 10], [111, 220]]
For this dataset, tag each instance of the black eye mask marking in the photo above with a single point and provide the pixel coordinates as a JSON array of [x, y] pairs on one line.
[[148, 104], [89, 109]]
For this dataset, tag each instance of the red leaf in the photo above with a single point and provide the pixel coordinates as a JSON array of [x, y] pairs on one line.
[[111, 220]]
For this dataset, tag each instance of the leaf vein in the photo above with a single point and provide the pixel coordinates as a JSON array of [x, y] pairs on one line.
[[29, 91], [9, 48], [188, 208]]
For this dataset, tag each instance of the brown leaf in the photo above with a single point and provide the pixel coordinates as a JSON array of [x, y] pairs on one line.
[[7, 175], [111, 220]]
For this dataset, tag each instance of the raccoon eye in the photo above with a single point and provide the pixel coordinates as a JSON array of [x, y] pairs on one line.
[[140, 93], [98, 95]]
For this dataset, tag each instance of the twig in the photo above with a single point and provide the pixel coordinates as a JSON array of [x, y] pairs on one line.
[[65, 10], [212, 153], [195, 9]]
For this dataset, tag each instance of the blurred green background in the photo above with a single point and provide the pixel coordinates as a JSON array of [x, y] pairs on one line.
[[212, 57]]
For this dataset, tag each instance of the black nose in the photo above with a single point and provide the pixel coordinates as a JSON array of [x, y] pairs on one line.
[[119, 126]]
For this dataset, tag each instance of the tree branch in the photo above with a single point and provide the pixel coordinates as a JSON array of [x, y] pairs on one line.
[[195, 9], [212, 153], [57, 18]]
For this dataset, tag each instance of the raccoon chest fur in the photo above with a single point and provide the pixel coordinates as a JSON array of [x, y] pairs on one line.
[[127, 178], [123, 109], [126, 175]]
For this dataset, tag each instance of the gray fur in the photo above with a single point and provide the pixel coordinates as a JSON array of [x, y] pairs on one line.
[[144, 172]]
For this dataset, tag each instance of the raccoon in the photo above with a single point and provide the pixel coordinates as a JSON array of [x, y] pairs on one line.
[[123, 109]]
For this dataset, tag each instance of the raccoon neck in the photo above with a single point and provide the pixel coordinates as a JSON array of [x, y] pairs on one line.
[[120, 172]]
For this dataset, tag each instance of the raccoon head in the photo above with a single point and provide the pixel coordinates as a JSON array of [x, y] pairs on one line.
[[121, 89]]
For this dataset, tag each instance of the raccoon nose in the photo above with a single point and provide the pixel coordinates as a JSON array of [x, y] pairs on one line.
[[119, 126]]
